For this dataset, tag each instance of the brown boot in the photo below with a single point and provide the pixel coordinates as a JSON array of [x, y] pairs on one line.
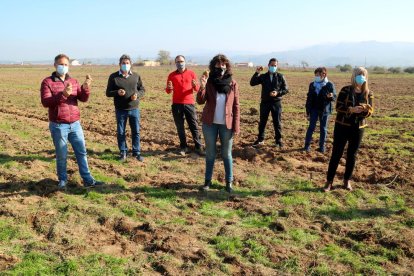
[[347, 185], [328, 186]]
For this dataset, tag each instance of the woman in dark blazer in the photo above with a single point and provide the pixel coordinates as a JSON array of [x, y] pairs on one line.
[[221, 116], [353, 106]]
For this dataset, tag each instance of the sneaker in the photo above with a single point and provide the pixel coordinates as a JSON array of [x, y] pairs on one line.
[[258, 143], [139, 158], [279, 144], [62, 185], [206, 186], [93, 184], [122, 157], [306, 149]]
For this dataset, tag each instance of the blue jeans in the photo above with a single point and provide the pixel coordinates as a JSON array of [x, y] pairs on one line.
[[323, 118], [122, 117], [226, 140], [72, 133]]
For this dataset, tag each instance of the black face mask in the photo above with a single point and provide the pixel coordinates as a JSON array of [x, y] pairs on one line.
[[218, 72]]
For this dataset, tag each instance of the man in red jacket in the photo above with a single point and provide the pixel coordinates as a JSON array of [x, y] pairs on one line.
[[183, 83], [60, 93]]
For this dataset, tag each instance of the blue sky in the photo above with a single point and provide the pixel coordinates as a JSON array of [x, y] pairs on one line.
[[38, 30]]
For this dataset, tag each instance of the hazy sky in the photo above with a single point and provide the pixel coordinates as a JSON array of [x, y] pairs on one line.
[[38, 30]]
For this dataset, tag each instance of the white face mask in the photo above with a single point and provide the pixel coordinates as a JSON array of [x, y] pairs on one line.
[[62, 70], [125, 67]]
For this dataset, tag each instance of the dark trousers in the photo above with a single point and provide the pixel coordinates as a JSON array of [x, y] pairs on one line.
[[276, 109], [187, 112], [342, 135]]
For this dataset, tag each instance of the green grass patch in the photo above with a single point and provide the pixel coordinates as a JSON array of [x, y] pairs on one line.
[[302, 238], [228, 245], [257, 221], [95, 197], [212, 209], [295, 199], [8, 231], [101, 176], [257, 252], [34, 263], [255, 179], [361, 264]]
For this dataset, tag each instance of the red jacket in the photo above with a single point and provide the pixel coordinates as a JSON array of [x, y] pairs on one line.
[[62, 109], [208, 96], [182, 87]]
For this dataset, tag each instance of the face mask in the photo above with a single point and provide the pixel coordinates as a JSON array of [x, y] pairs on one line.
[[360, 79], [318, 79], [125, 67], [180, 65], [62, 69], [220, 70], [272, 69]]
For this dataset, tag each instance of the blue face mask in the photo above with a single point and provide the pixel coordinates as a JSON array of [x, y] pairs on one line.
[[318, 79], [125, 67], [360, 79], [180, 65], [62, 70], [272, 69]]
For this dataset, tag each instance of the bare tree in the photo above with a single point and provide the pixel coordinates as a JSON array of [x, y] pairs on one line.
[[304, 64]]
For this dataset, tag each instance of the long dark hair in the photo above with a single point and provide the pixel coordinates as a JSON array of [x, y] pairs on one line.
[[220, 58]]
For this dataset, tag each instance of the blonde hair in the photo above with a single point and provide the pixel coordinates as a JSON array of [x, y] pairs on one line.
[[360, 71]]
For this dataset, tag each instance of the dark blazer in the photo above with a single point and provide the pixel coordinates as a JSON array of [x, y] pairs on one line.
[[348, 98], [208, 96], [278, 84], [320, 101]]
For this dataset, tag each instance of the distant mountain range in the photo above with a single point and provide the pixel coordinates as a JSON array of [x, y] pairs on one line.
[[368, 53]]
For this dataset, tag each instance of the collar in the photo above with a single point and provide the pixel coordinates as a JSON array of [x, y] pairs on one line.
[[178, 72], [129, 73], [55, 77]]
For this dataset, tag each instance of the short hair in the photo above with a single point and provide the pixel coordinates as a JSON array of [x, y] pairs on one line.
[[271, 60], [360, 71], [179, 56], [220, 58], [61, 56], [125, 56], [320, 70]]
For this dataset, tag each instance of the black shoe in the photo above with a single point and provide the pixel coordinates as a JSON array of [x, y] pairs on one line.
[[138, 157], [207, 185], [122, 157], [93, 184], [258, 143], [229, 187], [279, 144], [321, 150]]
